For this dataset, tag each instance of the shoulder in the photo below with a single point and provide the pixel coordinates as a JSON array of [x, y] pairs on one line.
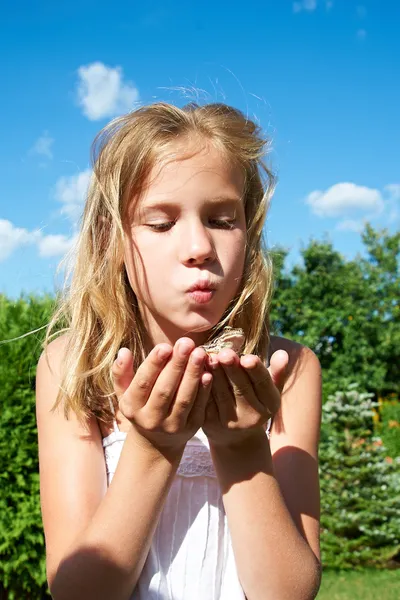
[[301, 398], [49, 376], [301, 359], [53, 354]]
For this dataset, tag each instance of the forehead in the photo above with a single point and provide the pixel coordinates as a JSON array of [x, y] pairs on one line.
[[194, 173]]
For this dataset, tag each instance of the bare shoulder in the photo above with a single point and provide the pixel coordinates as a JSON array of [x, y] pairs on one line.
[[56, 349], [302, 391], [71, 460], [300, 356]]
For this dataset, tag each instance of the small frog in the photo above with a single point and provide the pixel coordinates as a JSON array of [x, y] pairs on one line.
[[229, 338]]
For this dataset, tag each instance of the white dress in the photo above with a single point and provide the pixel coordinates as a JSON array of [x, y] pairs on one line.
[[191, 555]]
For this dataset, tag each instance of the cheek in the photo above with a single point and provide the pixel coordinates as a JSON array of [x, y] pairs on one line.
[[232, 256], [144, 266], [136, 265]]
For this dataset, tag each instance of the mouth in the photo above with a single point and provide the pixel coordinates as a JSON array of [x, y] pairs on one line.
[[202, 286], [201, 292]]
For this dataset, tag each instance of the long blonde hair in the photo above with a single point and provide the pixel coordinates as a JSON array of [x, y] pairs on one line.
[[99, 308]]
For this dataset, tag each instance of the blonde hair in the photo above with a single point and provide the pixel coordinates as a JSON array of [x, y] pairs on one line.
[[99, 308]]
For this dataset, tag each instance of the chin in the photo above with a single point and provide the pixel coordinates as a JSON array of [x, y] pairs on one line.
[[197, 324]]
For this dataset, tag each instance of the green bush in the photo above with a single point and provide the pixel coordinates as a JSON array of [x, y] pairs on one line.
[[22, 562]]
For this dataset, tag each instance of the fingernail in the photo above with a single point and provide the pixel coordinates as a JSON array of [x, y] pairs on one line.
[[163, 353], [196, 359], [184, 349], [120, 361], [228, 361], [207, 379]]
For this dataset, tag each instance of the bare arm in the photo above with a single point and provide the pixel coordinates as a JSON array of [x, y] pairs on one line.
[[97, 539], [107, 558], [271, 496]]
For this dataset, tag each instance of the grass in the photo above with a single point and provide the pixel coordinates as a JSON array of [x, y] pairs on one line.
[[360, 585]]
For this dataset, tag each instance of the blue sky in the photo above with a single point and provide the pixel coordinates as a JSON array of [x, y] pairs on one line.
[[322, 78]]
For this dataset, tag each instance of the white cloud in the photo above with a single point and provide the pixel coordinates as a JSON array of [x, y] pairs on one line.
[[12, 237], [361, 34], [308, 5], [328, 4], [103, 93], [393, 190], [342, 198], [351, 225], [43, 146], [55, 245], [71, 192]]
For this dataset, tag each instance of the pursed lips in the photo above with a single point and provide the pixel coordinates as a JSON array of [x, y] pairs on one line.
[[202, 286]]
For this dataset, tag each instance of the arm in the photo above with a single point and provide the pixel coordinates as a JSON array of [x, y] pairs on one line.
[[97, 540], [271, 494]]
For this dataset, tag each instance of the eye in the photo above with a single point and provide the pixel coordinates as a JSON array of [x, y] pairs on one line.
[[162, 226], [224, 223]]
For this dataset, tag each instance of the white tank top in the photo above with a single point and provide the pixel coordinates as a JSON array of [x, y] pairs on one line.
[[191, 555]]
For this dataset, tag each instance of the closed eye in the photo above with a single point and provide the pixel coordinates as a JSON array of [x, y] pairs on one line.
[[162, 226], [224, 223], [219, 223]]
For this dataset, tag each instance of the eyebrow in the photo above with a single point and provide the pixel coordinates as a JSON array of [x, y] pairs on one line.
[[218, 200]]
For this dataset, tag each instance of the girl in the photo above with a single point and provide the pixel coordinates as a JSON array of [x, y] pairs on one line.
[[161, 475]]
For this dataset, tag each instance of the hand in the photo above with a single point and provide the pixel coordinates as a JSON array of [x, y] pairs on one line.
[[244, 395], [166, 399]]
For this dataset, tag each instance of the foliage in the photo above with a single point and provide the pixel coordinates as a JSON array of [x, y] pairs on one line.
[[347, 311], [22, 564], [388, 424], [360, 486]]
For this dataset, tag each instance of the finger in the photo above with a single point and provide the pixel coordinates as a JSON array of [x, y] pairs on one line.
[[122, 371], [212, 414], [188, 387], [277, 368], [136, 395], [241, 384], [164, 390], [222, 393], [198, 413], [265, 389]]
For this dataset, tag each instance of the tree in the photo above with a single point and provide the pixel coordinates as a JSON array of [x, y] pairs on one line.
[[360, 486], [347, 311]]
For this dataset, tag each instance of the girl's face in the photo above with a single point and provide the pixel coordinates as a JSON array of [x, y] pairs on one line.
[[188, 230]]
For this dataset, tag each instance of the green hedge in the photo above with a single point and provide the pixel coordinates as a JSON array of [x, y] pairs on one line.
[[22, 563]]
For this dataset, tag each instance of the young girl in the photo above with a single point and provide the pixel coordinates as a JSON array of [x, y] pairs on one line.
[[161, 474]]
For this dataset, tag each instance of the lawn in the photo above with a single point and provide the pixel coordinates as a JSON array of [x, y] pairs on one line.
[[360, 585]]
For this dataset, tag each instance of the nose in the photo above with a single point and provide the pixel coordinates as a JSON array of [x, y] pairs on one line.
[[196, 245]]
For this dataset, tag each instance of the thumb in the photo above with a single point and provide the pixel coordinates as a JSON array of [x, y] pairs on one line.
[[277, 368], [122, 371]]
